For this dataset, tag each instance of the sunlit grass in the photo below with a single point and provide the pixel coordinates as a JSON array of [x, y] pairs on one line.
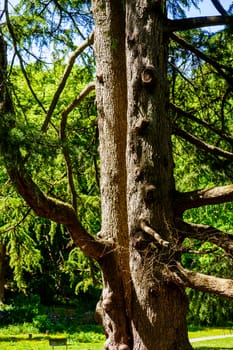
[[206, 332], [90, 337], [215, 344]]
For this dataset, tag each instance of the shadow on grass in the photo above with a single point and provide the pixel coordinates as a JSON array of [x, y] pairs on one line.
[[18, 338]]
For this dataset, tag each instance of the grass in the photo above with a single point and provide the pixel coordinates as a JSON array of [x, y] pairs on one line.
[[198, 332], [215, 344], [90, 337], [44, 345]]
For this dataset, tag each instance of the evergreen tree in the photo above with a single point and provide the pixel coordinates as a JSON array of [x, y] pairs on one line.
[[143, 228]]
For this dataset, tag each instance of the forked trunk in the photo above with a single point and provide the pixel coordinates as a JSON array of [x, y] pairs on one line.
[[139, 308]]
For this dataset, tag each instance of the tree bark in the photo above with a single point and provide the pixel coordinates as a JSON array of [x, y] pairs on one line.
[[137, 302], [157, 321], [111, 95]]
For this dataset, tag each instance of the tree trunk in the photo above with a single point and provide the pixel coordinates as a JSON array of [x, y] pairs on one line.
[[111, 95], [159, 307], [139, 308]]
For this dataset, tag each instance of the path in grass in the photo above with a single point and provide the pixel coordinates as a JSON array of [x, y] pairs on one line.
[[193, 340]]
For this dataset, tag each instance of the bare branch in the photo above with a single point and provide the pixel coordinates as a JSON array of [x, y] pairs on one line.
[[199, 198], [177, 25], [190, 116], [65, 149], [207, 234], [90, 87], [6, 228], [153, 233], [14, 41], [219, 67], [64, 78], [201, 282], [216, 151], [199, 252], [219, 7]]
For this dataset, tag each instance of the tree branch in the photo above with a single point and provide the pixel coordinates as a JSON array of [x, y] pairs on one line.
[[199, 198], [216, 151], [14, 41], [65, 149], [201, 282], [207, 234], [153, 233], [219, 8], [90, 87], [219, 67], [181, 112], [51, 208], [42, 204], [64, 78], [177, 25]]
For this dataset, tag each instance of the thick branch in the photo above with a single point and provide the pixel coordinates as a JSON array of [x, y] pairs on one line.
[[216, 151], [52, 208], [64, 78], [199, 198], [178, 25], [207, 234], [202, 282]]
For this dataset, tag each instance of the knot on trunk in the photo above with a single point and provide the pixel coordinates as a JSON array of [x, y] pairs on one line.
[[148, 76]]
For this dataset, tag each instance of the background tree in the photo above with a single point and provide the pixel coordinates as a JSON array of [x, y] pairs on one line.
[[143, 229], [40, 252]]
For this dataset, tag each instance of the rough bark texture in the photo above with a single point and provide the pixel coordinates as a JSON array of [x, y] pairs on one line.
[[137, 302], [158, 322], [111, 94]]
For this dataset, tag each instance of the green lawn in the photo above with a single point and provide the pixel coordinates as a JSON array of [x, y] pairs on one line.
[[92, 340], [198, 332], [43, 345], [216, 344]]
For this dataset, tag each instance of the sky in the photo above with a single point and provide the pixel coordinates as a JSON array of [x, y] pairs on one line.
[[208, 9]]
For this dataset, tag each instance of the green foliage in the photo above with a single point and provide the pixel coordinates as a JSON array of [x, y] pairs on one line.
[[84, 273], [52, 28], [24, 308], [43, 323], [197, 89], [38, 249]]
